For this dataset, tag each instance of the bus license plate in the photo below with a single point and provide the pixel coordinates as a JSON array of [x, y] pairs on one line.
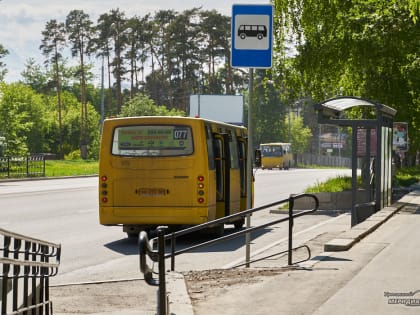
[[151, 192]]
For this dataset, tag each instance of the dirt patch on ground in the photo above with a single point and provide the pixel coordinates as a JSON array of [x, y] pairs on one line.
[[207, 284], [202, 284]]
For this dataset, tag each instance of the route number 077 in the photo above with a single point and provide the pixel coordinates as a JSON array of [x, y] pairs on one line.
[[180, 134]]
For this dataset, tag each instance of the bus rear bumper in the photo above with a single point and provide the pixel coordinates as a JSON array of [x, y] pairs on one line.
[[153, 215]]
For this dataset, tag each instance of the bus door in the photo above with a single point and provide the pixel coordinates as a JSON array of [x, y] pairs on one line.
[[222, 164], [242, 152]]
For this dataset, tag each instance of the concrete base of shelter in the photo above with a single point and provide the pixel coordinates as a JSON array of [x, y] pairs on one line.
[[331, 200], [347, 239]]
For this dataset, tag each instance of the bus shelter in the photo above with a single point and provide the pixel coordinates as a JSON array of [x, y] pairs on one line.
[[371, 147]]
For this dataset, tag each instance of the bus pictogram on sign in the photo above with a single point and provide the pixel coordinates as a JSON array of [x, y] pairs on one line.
[[258, 31]]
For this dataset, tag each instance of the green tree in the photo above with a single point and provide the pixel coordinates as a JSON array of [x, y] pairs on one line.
[[80, 31], [34, 76], [138, 36], [142, 105], [70, 125], [268, 110], [182, 58], [157, 82], [22, 116], [53, 43], [296, 133], [215, 31], [364, 48], [118, 31], [3, 70], [101, 46]]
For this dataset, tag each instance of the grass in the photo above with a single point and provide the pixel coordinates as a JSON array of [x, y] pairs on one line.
[[335, 184], [407, 176], [70, 168], [403, 177]]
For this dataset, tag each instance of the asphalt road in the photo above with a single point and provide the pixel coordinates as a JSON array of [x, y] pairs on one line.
[[65, 211], [272, 185]]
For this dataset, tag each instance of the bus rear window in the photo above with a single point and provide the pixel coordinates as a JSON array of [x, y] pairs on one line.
[[152, 140], [271, 151]]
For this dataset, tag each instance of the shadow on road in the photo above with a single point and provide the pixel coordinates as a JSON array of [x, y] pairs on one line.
[[125, 246], [129, 246], [225, 246], [329, 258]]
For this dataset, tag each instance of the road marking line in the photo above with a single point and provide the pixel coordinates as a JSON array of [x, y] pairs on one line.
[[261, 250]]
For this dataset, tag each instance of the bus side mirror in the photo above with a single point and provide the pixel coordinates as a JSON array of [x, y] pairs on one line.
[[257, 158]]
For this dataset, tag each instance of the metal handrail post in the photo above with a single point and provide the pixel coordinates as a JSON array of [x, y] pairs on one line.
[[162, 284], [173, 240], [290, 245], [27, 166], [27, 271], [15, 272], [5, 274]]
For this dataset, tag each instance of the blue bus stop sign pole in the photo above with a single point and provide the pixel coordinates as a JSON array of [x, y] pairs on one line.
[[252, 46]]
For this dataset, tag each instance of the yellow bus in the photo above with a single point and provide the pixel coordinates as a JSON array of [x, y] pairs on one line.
[[172, 171], [276, 155]]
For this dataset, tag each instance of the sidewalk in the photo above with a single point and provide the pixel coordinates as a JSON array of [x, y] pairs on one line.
[[372, 268]]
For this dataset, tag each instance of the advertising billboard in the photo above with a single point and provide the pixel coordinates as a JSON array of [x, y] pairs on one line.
[[400, 136]]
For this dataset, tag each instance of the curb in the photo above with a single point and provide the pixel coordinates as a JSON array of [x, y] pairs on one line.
[[179, 299], [8, 180], [347, 239]]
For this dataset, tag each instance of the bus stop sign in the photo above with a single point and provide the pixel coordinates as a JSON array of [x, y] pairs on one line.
[[252, 36]]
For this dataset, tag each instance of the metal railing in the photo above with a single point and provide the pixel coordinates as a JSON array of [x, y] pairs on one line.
[[323, 160], [146, 250], [27, 264], [22, 166]]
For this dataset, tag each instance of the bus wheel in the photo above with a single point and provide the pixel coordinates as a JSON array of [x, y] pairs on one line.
[[239, 224], [132, 231], [217, 230], [133, 235]]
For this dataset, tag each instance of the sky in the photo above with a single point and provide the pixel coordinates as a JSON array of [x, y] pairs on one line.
[[22, 21]]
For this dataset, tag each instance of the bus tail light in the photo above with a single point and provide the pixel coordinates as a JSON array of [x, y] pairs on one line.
[[104, 187], [200, 188]]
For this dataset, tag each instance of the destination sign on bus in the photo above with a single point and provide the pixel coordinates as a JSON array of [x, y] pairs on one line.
[[154, 137]]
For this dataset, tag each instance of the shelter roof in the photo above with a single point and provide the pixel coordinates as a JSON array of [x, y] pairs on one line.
[[340, 104]]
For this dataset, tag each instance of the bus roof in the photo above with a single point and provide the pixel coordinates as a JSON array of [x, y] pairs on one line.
[[136, 119], [275, 143]]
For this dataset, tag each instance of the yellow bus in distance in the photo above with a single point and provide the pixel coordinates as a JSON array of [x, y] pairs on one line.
[[276, 155], [172, 171]]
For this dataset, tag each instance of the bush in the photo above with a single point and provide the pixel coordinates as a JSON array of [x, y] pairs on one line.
[[335, 184], [74, 155], [405, 177]]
